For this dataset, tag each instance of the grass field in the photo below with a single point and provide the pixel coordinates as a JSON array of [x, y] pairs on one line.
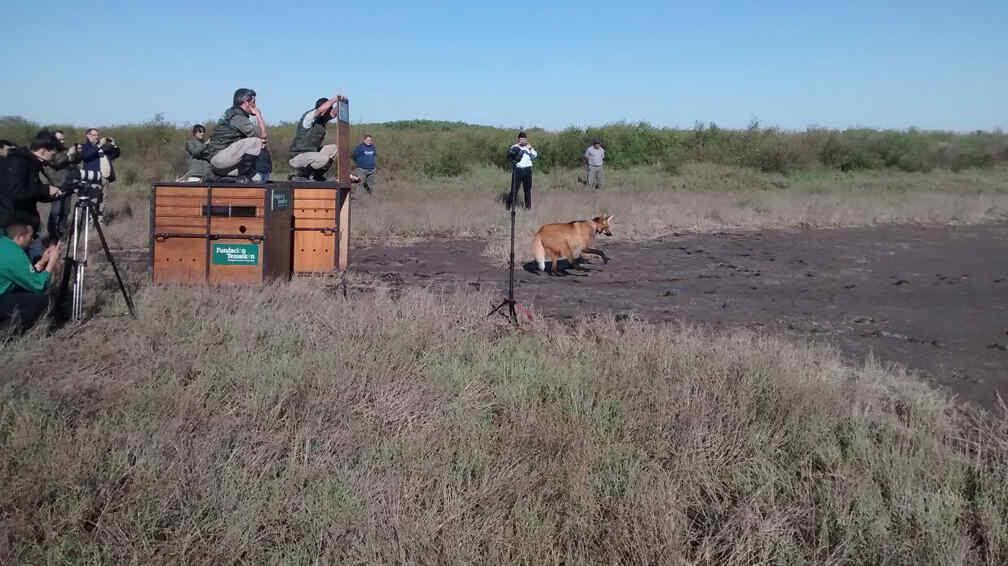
[[290, 425]]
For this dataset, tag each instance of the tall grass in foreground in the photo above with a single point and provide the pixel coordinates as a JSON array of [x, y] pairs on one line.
[[288, 425]]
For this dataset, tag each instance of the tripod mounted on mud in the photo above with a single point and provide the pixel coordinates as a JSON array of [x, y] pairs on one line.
[[75, 258], [509, 301]]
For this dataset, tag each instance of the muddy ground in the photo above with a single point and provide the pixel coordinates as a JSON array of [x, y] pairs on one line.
[[933, 299]]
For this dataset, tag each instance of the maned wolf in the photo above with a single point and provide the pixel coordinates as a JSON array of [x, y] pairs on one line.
[[569, 240]]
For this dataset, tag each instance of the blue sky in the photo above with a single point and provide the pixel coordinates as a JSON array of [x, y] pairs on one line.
[[933, 65]]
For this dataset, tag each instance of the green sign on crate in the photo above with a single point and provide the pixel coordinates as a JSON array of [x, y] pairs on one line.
[[281, 200], [236, 254]]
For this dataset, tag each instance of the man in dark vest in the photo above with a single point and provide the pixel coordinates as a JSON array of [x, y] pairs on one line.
[[237, 139], [309, 158]]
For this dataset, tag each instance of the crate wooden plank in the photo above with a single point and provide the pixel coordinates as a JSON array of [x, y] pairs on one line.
[[229, 192], [226, 225], [197, 221], [315, 203], [315, 223], [181, 192], [177, 211], [319, 194], [179, 260], [314, 213]]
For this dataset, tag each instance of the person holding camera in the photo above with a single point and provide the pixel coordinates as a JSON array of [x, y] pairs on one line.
[[309, 158], [22, 188], [237, 140], [56, 172], [521, 155], [22, 284], [96, 156]]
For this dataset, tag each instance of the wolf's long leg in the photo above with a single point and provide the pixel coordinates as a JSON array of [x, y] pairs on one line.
[[600, 253], [554, 263]]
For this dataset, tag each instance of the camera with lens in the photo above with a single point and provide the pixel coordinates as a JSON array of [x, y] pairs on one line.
[[85, 184]]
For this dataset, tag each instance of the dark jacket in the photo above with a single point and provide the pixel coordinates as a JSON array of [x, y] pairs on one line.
[[364, 156], [59, 166], [21, 189], [91, 157]]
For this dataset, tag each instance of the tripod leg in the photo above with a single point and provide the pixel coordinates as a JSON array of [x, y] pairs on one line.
[[108, 255], [511, 273]]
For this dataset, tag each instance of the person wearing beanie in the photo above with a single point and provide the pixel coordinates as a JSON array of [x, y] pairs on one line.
[[521, 155]]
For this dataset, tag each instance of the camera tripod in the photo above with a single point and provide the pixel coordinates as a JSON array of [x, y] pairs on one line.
[[509, 302], [75, 259]]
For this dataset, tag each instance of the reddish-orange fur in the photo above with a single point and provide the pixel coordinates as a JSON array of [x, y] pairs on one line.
[[569, 240]]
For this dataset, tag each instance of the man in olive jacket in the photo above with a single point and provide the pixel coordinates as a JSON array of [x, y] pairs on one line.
[[309, 158], [237, 140]]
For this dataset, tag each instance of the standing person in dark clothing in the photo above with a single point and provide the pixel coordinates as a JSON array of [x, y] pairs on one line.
[[521, 155], [96, 155], [56, 172], [365, 156], [21, 187]]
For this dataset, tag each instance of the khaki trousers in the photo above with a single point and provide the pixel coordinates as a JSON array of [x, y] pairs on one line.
[[317, 160], [228, 157]]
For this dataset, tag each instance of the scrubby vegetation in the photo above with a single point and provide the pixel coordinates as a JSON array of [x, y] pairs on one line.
[[445, 149]]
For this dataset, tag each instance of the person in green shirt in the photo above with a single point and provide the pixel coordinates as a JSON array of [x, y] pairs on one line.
[[22, 285]]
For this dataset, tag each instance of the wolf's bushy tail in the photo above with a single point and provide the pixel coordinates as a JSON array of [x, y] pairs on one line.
[[538, 251]]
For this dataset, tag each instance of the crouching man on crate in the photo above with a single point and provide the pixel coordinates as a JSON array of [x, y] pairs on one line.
[[309, 158], [237, 139], [23, 298]]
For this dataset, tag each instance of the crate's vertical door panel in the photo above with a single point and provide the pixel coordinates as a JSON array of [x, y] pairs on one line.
[[236, 228], [343, 142], [315, 246], [179, 232], [278, 226], [343, 258]]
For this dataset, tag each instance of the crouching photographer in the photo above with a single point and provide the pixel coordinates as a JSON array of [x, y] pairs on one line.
[[23, 297]]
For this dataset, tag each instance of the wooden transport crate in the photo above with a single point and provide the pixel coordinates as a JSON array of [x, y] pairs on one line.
[[220, 233], [321, 227]]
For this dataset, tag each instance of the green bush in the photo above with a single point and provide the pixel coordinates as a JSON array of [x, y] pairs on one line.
[[154, 150]]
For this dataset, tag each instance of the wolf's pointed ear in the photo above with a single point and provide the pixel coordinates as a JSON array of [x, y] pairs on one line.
[[610, 217]]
